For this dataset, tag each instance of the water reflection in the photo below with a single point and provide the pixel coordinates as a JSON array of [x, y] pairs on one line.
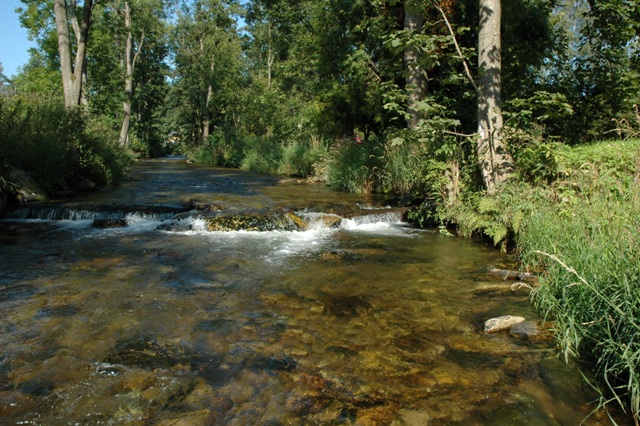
[[370, 324]]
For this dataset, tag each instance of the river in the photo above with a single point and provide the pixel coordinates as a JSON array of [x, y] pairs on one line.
[[357, 318]]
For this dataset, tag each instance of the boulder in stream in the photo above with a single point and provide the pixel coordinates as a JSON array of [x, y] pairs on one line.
[[86, 185]]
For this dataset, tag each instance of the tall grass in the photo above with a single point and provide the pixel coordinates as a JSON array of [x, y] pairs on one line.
[[352, 168], [295, 157], [57, 147], [582, 233], [585, 236]]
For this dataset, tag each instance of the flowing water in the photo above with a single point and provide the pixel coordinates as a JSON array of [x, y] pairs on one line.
[[355, 320]]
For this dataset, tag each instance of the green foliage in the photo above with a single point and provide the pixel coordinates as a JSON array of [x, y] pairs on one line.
[[585, 236], [220, 149], [498, 218], [535, 159], [56, 146], [299, 158], [259, 154], [351, 167]]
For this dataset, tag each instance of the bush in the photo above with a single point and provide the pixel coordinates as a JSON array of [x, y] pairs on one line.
[[300, 157], [260, 154], [57, 147], [351, 167], [220, 149]]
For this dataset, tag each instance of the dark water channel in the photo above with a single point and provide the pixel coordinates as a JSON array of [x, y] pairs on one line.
[[163, 322]]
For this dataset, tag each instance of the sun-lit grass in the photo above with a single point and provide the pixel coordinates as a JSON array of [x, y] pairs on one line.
[[585, 237]]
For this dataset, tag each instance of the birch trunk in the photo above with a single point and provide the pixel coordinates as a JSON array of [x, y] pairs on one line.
[[207, 121]]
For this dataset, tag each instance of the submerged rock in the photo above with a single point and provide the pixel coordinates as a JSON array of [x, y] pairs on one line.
[[109, 223], [505, 274], [525, 329], [347, 306], [501, 323], [340, 256]]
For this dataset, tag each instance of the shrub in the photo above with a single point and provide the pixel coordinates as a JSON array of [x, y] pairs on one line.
[[220, 149], [57, 147], [300, 157], [260, 154], [351, 167]]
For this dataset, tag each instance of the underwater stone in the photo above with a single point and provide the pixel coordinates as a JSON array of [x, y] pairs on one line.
[[501, 323], [525, 329], [109, 223]]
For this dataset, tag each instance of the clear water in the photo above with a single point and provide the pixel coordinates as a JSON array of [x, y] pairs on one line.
[[371, 323]]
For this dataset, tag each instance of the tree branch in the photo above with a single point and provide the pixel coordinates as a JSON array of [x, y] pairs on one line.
[[455, 42]]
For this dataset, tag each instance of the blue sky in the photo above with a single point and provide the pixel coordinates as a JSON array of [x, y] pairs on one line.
[[14, 45]]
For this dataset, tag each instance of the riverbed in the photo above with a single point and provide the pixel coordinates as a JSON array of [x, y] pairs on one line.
[[360, 320]]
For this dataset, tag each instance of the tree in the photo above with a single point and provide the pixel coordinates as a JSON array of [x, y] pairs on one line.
[[147, 15], [495, 161], [207, 54], [130, 63], [417, 80], [72, 71]]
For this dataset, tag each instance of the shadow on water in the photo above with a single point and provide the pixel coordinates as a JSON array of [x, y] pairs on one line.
[[365, 322]]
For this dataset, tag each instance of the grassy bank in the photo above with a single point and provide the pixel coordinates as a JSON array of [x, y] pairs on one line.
[[582, 232], [57, 147]]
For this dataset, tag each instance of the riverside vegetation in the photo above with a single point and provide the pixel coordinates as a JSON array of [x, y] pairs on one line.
[[570, 216]]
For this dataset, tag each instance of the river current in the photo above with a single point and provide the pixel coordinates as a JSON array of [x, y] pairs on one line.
[[362, 320]]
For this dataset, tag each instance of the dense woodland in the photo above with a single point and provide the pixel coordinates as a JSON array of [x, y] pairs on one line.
[[482, 115], [273, 85]]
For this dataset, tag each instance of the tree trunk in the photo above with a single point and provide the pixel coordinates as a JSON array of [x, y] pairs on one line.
[[123, 140], [75, 24], [416, 75], [207, 120], [270, 57], [72, 71], [495, 162]]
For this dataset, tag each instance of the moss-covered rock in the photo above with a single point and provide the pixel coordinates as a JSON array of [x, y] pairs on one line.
[[256, 222]]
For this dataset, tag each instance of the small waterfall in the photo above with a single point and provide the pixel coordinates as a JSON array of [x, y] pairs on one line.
[[175, 219], [385, 217], [62, 213], [380, 217]]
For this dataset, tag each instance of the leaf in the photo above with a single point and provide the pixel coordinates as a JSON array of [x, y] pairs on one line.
[[498, 232], [487, 205], [516, 221], [397, 141]]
